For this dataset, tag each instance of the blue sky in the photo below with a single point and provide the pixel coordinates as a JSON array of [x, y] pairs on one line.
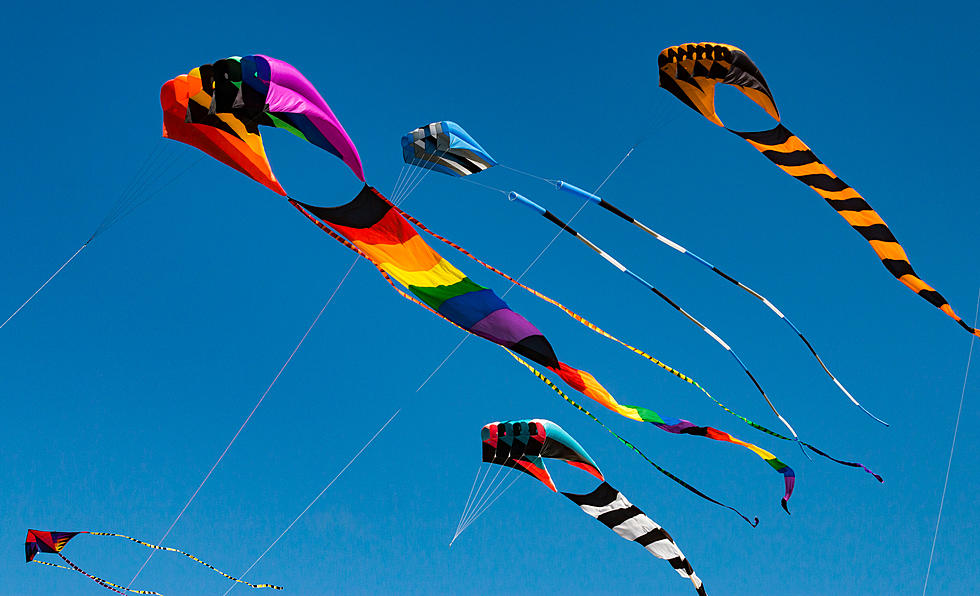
[[128, 375]]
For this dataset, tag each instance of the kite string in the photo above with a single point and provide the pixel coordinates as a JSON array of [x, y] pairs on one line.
[[247, 419], [315, 499], [529, 174], [129, 200], [956, 428], [38, 291]]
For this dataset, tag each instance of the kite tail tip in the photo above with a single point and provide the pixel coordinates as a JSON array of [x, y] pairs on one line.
[[800, 443], [754, 524], [785, 503], [878, 420]]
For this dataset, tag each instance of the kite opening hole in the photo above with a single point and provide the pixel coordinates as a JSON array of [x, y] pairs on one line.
[[738, 112]]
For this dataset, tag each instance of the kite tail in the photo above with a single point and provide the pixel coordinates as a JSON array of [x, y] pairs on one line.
[[794, 157], [105, 584], [613, 509], [189, 556], [580, 380], [772, 307], [586, 384], [636, 449]]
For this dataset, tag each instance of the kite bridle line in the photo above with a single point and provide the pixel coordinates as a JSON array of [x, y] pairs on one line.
[[132, 196], [483, 500]]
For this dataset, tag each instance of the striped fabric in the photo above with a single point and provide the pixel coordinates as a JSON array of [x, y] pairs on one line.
[[610, 507], [223, 137], [219, 107], [691, 71], [445, 147], [375, 228], [794, 157], [53, 542]]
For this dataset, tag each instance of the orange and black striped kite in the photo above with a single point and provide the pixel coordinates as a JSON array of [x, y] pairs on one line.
[[690, 71]]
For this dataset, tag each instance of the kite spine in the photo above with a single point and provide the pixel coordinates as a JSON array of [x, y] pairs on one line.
[[562, 185]]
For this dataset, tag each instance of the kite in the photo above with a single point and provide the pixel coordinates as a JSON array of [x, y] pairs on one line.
[[691, 71], [219, 107], [433, 147], [445, 147], [53, 542], [524, 444]]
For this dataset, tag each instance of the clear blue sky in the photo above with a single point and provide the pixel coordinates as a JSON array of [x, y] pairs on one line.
[[126, 377]]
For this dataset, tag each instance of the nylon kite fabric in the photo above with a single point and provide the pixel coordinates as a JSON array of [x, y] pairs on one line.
[[614, 511], [219, 107], [524, 444], [445, 147], [38, 541], [376, 229], [223, 137], [691, 71]]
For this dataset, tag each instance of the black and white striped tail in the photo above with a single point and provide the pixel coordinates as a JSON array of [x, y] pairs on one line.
[[610, 507]]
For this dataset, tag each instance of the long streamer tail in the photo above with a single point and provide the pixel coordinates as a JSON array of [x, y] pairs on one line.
[[636, 449], [794, 157], [772, 307], [586, 384], [189, 556], [102, 582]]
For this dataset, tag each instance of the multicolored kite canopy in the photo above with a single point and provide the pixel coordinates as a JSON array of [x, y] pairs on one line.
[[523, 445], [219, 107], [39, 541], [691, 71], [445, 147]]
